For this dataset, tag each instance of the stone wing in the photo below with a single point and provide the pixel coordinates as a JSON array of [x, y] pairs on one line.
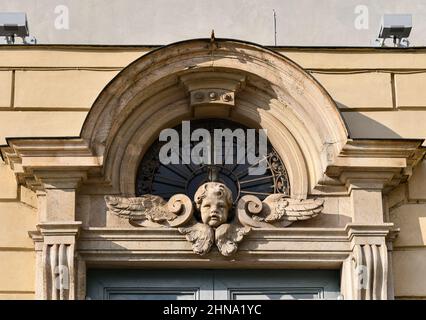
[[147, 207], [277, 210], [294, 209], [200, 235], [228, 236]]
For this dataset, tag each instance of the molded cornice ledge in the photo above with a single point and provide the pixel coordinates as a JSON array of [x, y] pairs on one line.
[[51, 163], [55, 233], [375, 164], [69, 228], [362, 234]]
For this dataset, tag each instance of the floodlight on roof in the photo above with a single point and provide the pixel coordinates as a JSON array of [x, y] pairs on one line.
[[397, 27], [14, 24]]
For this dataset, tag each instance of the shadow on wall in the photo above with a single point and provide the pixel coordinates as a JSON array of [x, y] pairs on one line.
[[363, 127], [407, 217], [409, 213], [410, 219], [324, 220]]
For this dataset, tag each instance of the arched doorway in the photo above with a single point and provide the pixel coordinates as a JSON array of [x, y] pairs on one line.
[[342, 179]]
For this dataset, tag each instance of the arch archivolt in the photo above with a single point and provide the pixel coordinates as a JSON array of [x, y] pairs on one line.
[[153, 93]]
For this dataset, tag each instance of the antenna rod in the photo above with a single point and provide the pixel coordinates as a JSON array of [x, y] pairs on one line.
[[275, 27]]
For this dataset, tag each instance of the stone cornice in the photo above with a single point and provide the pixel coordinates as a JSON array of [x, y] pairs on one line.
[[41, 153], [296, 234], [48, 147], [170, 234], [283, 247], [55, 232], [59, 228], [304, 247], [380, 148], [369, 233], [375, 164], [37, 162]]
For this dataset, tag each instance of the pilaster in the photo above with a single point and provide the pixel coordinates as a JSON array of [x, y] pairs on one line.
[[366, 270], [56, 234]]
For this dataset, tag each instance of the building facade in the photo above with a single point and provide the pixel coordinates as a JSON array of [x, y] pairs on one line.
[[345, 217]]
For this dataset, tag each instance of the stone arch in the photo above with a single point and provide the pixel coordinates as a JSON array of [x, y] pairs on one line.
[[268, 91]]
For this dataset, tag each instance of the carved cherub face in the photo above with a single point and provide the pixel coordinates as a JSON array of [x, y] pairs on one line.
[[213, 200]]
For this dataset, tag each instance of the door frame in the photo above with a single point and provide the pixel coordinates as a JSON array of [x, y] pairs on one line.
[[213, 284]]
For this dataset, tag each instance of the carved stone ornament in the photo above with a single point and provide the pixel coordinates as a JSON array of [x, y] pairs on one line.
[[208, 222]]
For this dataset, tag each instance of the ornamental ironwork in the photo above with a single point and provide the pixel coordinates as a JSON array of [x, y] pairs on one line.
[[156, 178]]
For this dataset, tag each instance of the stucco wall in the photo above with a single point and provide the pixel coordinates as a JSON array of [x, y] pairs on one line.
[[47, 91]]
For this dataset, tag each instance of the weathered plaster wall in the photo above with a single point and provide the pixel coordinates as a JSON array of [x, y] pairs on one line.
[[47, 91]]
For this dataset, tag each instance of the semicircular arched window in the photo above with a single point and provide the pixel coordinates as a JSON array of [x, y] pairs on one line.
[[165, 180]]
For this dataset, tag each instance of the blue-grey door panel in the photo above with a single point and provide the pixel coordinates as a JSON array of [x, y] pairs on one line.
[[169, 284], [276, 284], [149, 285]]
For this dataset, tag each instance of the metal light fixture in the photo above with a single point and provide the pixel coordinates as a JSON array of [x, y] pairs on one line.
[[396, 27], [15, 24]]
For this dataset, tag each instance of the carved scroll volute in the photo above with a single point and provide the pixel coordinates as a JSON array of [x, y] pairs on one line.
[[275, 205], [181, 205], [248, 208], [277, 210]]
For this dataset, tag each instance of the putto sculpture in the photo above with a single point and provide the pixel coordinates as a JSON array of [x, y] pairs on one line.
[[212, 220], [214, 201]]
